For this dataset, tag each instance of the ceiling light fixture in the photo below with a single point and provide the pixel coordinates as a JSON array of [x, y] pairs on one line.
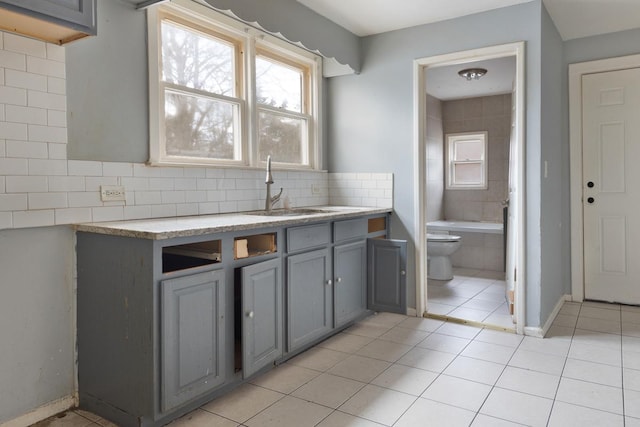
[[472, 73]]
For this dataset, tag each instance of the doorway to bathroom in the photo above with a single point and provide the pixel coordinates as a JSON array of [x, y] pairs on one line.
[[469, 158]]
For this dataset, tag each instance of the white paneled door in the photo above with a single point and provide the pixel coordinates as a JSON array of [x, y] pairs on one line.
[[611, 185]]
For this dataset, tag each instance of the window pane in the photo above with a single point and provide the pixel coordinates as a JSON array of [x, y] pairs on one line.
[[282, 138], [200, 127], [278, 85], [467, 173], [197, 60], [469, 150]]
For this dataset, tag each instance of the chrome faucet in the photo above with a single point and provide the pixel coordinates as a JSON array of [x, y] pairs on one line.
[[270, 201]]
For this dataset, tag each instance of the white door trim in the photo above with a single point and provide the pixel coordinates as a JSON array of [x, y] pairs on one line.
[[419, 165], [576, 71]]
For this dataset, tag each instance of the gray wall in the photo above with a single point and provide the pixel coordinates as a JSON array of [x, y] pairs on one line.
[[371, 114], [37, 312], [604, 46], [555, 206]]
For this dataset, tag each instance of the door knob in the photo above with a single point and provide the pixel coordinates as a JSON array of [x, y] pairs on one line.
[[590, 184], [591, 200]]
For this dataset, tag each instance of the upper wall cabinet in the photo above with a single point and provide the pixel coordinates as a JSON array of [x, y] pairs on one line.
[[54, 21]]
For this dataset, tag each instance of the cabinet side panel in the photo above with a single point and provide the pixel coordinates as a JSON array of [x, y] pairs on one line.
[[115, 322]]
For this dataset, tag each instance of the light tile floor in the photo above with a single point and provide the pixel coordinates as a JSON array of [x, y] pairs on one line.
[[393, 370], [474, 295]]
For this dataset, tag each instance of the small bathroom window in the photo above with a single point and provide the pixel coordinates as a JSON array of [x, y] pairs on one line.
[[466, 166]]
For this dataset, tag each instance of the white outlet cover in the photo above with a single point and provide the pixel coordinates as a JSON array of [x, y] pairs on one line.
[[112, 193]]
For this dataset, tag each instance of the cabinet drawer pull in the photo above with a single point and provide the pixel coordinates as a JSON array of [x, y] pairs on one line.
[[403, 273], [339, 279], [329, 282], [250, 314]]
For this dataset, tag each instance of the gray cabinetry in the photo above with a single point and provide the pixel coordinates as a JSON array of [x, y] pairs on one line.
[[387, 288], [262, 314], [78, 15], [309, 297], [192, 336], [350, 281]]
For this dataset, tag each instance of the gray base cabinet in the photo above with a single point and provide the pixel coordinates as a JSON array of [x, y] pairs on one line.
[[350, 282], [387, 278], [309, 297], [193, 327], [262, 313]]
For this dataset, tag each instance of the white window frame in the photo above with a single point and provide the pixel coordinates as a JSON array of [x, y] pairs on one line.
[[252, 40], [451, 140]]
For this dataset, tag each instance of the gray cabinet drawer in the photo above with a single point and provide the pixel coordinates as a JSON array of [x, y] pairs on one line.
[[308, 236], [349, 229]]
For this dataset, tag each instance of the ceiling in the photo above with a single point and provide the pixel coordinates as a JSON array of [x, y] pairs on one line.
[[573, 18]]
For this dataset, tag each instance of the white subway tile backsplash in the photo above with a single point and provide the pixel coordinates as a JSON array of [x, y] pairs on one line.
[[137, 212], [148, 197], [13, 95], [134, 184], [56, 118], [108, 213], [117, 169], [73, 215], [3, 148], [206, 184], [37, 218], [28, 115], [55, 52], [10, 166], [67, 183], [84, 199], [143, 170], [163, 211], [173, 197], [85, 168], [48, 134], [229, 207], [6, 220], [26, 184], [25, 80], [46, 67], [25, 45], [47, 167], [51, 101], [56, 85], [172, 172], [209, 208], [47, 200], [2, 184], [195, 173], [2, 106], [26, 150], [195, 196], [213, 173], [9, 130], [13, 60], [57, 151], [161, 184], [13, 202], [186, 209], [186, 184]]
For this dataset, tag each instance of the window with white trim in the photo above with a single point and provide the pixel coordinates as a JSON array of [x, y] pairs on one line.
[[224, 93], [466, 165]]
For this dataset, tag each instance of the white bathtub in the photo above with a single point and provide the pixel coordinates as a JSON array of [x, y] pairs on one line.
[[466, 227]]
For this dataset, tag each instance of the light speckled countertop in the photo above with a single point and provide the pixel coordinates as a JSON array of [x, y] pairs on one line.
[[167, 228]]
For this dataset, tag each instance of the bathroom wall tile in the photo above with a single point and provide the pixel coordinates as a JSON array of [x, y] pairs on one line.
[[472, 108]]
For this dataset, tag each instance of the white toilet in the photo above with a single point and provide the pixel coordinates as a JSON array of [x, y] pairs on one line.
[[439, 249]]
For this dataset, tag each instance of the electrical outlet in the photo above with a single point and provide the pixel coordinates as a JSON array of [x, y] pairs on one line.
[[315, 189], [111, 193]]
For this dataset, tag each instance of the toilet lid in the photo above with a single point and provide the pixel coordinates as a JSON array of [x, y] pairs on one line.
[[442, 237]]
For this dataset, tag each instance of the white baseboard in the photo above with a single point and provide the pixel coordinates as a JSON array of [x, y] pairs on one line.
[[412, 312], [42, 413], [541, 332]]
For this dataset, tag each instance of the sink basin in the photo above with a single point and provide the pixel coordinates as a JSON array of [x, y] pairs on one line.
[[287, 212]]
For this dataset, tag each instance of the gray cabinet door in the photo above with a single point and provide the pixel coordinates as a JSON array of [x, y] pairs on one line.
[[76, 14], [387, 278], [192, 335], [308, 297], [262, 314], [350, 281]]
